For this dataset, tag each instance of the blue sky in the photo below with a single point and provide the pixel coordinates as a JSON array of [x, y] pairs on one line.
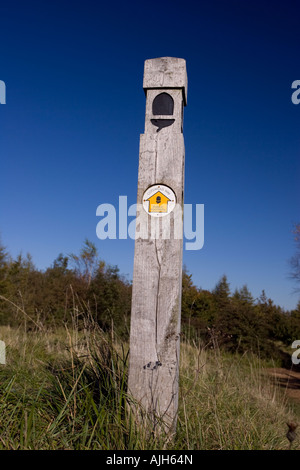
[[69, 133]]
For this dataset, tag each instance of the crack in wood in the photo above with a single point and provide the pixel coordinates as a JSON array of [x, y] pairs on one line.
[[157, 297]]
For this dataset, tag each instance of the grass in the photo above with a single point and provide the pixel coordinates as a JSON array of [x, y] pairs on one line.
[[66, 389]]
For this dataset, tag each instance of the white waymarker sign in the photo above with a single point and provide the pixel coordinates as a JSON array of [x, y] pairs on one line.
[[157, 275], [159, 200]]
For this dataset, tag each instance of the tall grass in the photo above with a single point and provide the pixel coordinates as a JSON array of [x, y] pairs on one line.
[[66, 389]]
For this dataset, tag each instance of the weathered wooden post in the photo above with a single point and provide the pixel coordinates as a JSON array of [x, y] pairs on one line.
[[157, 276]]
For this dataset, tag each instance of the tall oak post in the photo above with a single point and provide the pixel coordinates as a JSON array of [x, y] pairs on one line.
[[157, 276]]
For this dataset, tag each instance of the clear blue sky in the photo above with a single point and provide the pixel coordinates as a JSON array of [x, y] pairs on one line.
[[69, 133]]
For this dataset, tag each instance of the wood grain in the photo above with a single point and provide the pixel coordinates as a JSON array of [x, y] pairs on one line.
[[157, 276]]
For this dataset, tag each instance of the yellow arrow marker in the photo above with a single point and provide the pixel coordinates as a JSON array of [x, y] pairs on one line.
[[158, 202]]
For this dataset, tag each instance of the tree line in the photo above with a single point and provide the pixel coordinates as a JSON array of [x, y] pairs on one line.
[[71, 289], [78, 286], [236, 321]]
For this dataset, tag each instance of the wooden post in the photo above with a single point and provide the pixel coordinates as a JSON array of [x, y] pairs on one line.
[[157, 276]]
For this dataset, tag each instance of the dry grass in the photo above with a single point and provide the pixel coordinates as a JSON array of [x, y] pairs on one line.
[[66, 389]]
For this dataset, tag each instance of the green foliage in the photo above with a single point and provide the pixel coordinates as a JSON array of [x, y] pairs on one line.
[[86, 263], [237, 322], [295, 323], [58, 393], [35, 298], [85, 285], [222, 292]]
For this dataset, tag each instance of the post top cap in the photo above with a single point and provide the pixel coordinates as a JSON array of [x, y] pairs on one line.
[[166, 72]]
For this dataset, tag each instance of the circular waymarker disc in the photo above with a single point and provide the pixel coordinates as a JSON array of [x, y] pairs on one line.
[[159, 200]]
